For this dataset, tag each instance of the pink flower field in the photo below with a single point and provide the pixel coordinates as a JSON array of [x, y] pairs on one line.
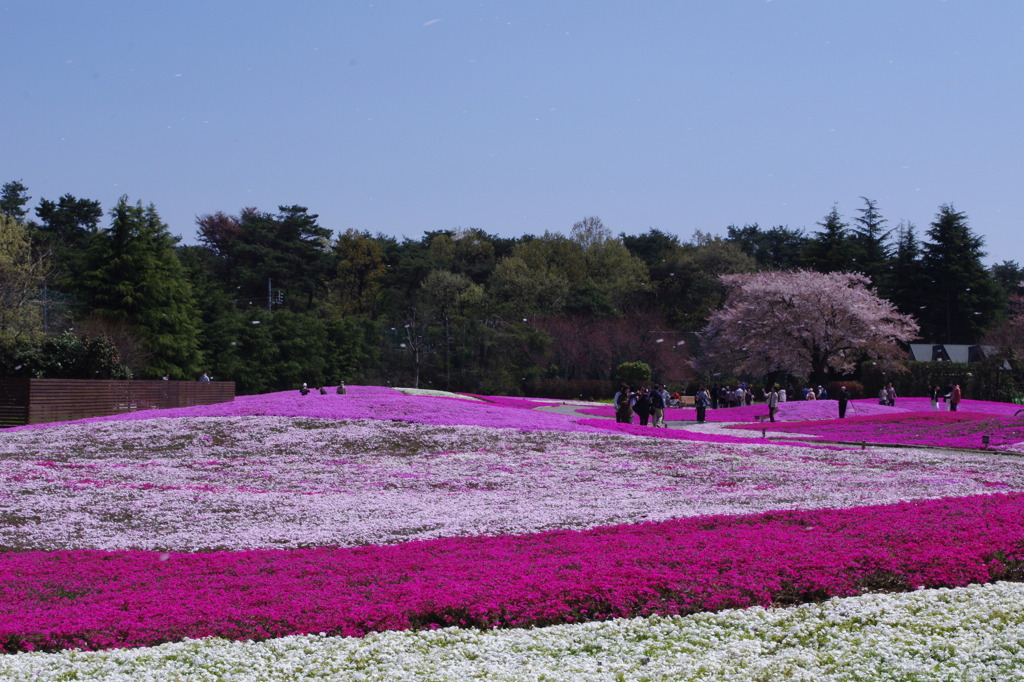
[[284, 514]]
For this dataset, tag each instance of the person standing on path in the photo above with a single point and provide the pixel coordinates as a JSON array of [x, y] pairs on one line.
[[844, 399], [702, 401], [642, 407], [658, 407], [773, 402], [623, 405]]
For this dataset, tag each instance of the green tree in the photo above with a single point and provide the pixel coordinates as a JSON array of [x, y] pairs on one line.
[[831, 249], [518, 291], [964, 297], [466, 252], [634, 373], [1010, 276], [870, 238], [22, 275], [69, 356], [602, 276], [359, 273], [66, 231], [137, 278], [908, 287], [650, 247], [220, 317], [13, 197], [445, 299], [686, 282], [288, 252], [779, 248]]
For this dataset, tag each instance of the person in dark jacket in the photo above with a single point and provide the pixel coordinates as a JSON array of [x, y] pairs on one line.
[[702, 401], [844, 399], [658, 406], [643, 406]]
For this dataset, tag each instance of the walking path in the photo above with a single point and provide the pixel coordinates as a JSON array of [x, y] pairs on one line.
[[721, 428], [706, 427]]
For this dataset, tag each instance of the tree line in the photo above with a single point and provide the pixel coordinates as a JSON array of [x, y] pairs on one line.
[[274, 299]]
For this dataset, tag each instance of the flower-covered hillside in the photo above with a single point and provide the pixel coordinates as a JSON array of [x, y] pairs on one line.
[[284, 515]]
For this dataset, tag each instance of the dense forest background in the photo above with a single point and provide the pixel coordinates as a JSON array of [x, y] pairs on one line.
[[274, 299]]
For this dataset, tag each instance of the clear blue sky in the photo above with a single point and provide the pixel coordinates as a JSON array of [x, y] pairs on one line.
[[517, 117]]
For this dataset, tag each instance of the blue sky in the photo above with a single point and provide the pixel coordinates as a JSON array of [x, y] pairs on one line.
[[520, 117]]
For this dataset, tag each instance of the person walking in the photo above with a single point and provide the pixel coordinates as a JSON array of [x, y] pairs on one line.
[[955, 397]]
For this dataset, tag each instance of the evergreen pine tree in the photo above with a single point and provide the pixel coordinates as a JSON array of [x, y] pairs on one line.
[[67, 227], [869, 236], [832, 249], [136, 278], [13, 197], [907, 284], [964, 298]]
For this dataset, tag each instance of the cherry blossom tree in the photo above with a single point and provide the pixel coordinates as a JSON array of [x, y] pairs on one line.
[[806, 323]]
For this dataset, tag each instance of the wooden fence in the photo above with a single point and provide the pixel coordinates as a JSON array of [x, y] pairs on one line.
[[35, 401]]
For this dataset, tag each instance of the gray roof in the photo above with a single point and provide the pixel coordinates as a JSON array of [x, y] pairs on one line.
[[950, 352]]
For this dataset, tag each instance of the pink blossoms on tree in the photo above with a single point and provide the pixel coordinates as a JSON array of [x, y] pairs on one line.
[[804, 322]]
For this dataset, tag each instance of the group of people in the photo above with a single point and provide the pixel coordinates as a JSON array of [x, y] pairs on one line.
[[651, 402], [726, 395], [645, 402], [952, 395], [305, 390], [729, 396], [887, 395]]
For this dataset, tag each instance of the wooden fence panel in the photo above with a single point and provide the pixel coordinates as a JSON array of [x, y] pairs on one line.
[[36, 401], [13, 402]]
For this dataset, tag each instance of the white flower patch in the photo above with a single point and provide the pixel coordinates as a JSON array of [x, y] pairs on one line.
[[435, 393], [973, 633], [278, 482]]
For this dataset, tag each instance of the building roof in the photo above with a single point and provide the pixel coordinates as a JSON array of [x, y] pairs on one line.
[[950, 352]]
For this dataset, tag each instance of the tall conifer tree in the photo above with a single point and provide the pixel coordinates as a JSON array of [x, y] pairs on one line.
[[137, 279], [832, 249], [964, 298], [869, 236]]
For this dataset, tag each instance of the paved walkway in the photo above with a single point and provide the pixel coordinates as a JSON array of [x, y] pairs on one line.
[[721, 428], [706, 427]]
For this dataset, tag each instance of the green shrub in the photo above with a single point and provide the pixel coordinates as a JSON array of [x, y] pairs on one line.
[[634, 373], [67, 357]]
